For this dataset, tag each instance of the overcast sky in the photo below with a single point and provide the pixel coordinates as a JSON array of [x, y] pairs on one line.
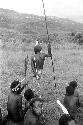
[[60, 8]]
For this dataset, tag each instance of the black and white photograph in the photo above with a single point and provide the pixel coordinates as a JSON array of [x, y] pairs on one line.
[[41, 62]]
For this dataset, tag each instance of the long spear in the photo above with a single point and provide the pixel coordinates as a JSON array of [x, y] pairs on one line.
[[49, 45]]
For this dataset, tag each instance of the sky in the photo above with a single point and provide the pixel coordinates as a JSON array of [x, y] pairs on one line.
[[72, 9]]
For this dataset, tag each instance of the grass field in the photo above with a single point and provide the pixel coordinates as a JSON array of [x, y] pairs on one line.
[[68, 64]]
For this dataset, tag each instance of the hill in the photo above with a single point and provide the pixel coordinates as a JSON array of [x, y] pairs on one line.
[[18, 28], [27, 24]]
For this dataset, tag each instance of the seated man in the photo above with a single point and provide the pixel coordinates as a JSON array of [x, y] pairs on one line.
[[14, 104], [74, 85], [71, 102], [28, 96], [74, 104], [33, 114], [66, 120]]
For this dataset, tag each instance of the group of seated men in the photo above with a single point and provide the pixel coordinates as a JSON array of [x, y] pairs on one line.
[[30, 115], [74, 104]]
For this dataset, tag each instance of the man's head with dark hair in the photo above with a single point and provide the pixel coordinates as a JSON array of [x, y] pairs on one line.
[[14, 84], [28, 94], [73, 84], [65, 119], [15, 87], [37, 48], [69, 90]]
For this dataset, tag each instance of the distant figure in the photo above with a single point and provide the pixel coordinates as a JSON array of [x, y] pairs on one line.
[[14, 104], [37, 60], [32, 116]]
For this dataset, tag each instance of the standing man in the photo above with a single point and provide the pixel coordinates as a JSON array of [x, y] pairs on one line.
[[37, 60]]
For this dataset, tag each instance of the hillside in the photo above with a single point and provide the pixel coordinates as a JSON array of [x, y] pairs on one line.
[[16, 29], [27, 24]]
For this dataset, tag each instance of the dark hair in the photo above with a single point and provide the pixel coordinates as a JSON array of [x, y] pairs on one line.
[[37, 48], [64, 119], [14, 84], [15, 87], [69, 90], [73, 84], [34, 100], [28, 94]]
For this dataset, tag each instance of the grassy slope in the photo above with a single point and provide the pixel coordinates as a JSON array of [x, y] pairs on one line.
[[68, 66]]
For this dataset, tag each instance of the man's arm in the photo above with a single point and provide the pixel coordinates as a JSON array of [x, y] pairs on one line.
[[46, 55], [23, 86]]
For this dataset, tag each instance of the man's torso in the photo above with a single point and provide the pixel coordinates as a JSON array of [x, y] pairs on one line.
[[13, 107]]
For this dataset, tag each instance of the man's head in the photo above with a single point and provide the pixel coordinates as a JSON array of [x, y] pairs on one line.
[[28, 94], [69, 90], [15, 86], [36, 105], [37, 48], [73, 84]]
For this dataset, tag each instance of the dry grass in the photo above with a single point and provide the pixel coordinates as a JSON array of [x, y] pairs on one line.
[[68, 66]]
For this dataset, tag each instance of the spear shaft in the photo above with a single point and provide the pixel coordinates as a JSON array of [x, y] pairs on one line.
[[49, 45]]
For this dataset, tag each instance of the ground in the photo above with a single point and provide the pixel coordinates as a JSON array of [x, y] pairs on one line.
[[68, 66]]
